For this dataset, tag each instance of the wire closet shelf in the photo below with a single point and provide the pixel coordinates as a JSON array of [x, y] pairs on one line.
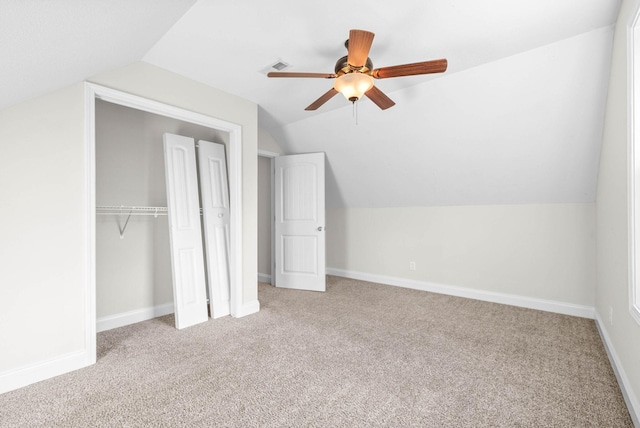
[[123, 210], [130, 210]]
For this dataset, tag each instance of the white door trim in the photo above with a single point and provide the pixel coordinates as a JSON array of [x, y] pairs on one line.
[[93, 92], [633, 156], [267, 154]]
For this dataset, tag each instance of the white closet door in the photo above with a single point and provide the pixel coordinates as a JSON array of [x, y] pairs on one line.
[[299, 224], [214, 191], [187, 263]]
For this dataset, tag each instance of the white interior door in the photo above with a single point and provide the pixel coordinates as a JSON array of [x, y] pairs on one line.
[[214, 192], [187, 264], [300, 222]]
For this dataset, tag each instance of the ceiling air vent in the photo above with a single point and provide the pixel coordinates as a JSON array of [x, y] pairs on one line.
[[279, 65]]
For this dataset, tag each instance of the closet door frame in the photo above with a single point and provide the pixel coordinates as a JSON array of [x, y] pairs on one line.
[[234, 164]]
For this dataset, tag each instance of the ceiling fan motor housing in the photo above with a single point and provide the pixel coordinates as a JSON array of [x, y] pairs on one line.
[[343, 67]]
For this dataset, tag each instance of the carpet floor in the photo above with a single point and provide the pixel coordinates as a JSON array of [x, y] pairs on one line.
[[359, 355]]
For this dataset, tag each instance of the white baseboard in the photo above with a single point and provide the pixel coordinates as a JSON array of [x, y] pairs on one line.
[[23, 376], [488, 296], [249, 308], [263, 277], [633, 405], [132, 317]]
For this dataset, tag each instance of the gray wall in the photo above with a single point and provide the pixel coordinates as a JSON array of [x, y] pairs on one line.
[[43, 259], [44, 268], [530, 251], [612, 292]]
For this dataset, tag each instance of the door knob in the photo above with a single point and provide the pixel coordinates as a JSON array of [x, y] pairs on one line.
[[320, 228]]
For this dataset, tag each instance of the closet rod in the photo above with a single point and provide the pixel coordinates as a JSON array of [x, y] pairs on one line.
[[130, 210], [120, 210]]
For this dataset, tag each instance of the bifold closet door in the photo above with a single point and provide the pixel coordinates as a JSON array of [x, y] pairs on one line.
[[187, 263], [214, 192]]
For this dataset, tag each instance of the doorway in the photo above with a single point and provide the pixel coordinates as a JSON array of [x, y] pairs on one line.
[[95, 92], [266, 245], [291, 220], [134, 278]]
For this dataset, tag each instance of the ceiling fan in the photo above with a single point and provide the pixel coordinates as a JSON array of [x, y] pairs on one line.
[[354, 73]]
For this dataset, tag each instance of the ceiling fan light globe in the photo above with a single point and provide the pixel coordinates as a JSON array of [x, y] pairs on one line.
[[353, 85]]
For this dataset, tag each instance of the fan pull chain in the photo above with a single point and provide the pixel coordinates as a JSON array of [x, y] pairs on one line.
[[355, 111]]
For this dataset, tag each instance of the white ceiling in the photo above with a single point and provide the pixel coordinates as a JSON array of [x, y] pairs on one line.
[[46, 45], [517, 118]]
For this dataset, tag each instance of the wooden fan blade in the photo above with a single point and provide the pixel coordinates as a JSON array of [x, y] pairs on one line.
[[323, 99], [359, 45], [294, 74], [426, 67], [379, 98]]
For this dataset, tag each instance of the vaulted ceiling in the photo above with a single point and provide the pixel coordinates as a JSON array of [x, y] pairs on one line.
[[516, 118]]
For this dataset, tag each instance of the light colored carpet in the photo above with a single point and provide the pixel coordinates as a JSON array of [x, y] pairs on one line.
[[359, 355]]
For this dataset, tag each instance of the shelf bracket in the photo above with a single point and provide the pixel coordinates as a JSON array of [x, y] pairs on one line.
[[123, 227]]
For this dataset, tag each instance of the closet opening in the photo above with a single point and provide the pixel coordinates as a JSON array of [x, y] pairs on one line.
[[130, 278]]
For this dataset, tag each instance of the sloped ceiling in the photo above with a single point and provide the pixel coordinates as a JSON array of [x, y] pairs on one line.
[[46, 45], [517, 117], [522, 129]]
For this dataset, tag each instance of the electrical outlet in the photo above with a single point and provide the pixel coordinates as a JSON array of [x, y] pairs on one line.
[[412, 265]]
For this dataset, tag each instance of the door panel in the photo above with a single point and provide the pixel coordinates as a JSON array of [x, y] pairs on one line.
[[189, 287], [215, 214], [300, 254], [299, 222]]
